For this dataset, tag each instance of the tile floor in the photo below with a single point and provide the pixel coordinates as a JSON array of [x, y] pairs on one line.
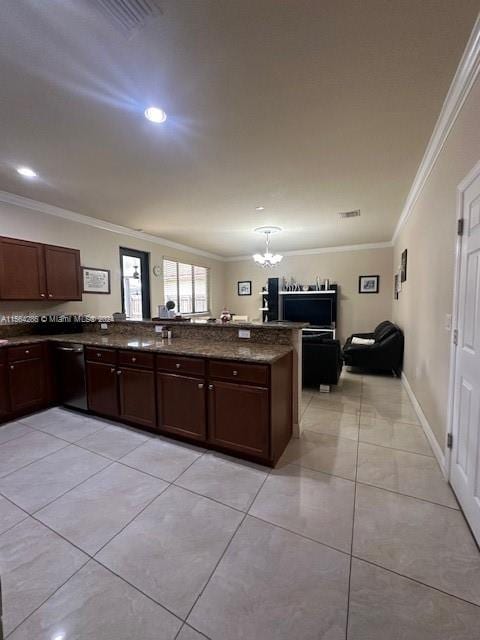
[[113, 534]]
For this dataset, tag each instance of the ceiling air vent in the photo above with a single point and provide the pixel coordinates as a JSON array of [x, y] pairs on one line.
[[128, 15], [349, 214]]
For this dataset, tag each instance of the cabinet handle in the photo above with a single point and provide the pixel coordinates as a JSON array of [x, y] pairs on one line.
[[178, 365], [210, 387], [200, 385], [99, 355], [134, 359], [50, 295], [27, 351], [12, 367], [112, 370], [42, 295], [119, 372], [235, 372]]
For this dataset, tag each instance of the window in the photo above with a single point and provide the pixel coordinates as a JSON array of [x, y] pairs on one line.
[[186, 285], [134, 267]]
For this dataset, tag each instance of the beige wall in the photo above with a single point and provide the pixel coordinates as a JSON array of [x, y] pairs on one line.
[[427, 296], [98, 248], [356, 312]]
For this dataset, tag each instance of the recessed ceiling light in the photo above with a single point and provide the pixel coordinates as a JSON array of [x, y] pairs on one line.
[[26, 172], [154, 114], [259, 208]]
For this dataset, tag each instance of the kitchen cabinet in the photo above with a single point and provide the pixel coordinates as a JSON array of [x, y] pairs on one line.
[[4, 389], [63, 273], [239, 417], [35, 271], [137, 396], [27, 378], [102, 388], [182, 405]]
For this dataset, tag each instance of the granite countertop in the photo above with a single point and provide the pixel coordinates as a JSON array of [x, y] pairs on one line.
[[253, 352], [221, 325]]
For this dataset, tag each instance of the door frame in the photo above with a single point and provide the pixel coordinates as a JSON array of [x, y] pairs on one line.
[[144, 258], [461, 188]]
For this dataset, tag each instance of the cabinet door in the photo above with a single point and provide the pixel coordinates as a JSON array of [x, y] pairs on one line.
[[27, 384], [62, 269], [181, 405], [239, 418], [22, 270], [4, 392], [137, 396], [102, 388]]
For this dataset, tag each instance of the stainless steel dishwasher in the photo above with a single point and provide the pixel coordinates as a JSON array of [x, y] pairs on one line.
[[72, 386]]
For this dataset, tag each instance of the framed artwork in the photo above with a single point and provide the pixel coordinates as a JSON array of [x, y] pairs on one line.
[[244, 288], [403, 268], [95, 280], [368, 284], [395, 286]]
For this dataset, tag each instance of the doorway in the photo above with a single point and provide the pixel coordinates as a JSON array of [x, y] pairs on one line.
[[135, 283], [465, 383]]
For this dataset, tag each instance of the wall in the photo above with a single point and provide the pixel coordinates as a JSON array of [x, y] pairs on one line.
[[427, 297], [356, 312], [98, 248]]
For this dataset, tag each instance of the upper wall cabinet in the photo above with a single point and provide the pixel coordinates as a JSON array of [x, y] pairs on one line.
[[34, 271]]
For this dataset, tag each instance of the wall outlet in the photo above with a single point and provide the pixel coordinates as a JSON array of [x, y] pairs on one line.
[[158, 328], [103, 325], [244, 333], [448, 322]]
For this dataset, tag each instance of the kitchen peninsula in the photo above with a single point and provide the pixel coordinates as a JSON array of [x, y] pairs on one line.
[[205, 384]]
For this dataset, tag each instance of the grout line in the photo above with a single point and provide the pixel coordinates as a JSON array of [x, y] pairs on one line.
[[225, 550], [353, 518], [423, 584], [384, 446], [407, 495], [37, 460]]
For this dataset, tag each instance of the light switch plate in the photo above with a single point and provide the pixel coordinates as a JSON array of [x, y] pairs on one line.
[[448, 322], [158, 328], [244, 333], [103, 325]]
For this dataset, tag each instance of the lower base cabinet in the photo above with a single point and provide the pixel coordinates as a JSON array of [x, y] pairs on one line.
[[137, 396], [239, 418], [102, 389], [181, 406], [4, 394]]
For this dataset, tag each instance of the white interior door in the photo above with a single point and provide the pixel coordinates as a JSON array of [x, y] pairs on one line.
[[465, 460]]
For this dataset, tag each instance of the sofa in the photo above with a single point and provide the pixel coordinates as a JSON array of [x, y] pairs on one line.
[[385, 354], [322, 360]]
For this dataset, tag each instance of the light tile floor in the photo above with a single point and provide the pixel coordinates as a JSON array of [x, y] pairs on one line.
[[114, 534]]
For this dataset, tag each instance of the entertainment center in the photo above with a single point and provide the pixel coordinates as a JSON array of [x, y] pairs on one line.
[[318, 307]]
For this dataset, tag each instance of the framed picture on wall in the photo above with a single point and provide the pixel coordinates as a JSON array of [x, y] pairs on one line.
[[95, 280], [244, 288], [395, 286], [368, 284], [403, 268]]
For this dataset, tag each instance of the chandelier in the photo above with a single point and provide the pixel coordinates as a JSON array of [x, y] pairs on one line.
[[267, 259]]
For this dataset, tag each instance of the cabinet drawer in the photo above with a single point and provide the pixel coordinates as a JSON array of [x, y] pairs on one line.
[[136, 359], [239, 371], [25, 352], [95, 354], [180, 364]]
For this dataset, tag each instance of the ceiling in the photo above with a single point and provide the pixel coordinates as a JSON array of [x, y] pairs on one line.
[[305, 107]]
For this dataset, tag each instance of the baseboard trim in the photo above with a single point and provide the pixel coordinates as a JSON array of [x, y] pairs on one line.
[[437, 450]]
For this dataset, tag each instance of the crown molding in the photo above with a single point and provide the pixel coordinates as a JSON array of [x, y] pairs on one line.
[[51, 210], [320, 250], [462, 82]]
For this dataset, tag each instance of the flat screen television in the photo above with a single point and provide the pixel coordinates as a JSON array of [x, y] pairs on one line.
[[320, 312]]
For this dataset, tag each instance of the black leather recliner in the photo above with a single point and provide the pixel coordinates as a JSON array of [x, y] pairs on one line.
[[385, 354], [322, 360]]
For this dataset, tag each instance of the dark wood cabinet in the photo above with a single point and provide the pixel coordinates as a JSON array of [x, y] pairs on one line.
[[62, 272], [102, 388], [182, 405], [4, 390], [34, 271], [27, 384], [22, 270], [137, 396], [239, 418]]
